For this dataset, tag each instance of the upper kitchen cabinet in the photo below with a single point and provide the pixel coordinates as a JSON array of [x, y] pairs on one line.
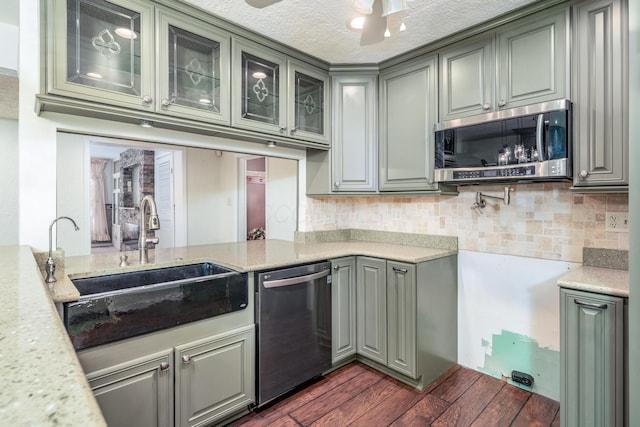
[[601, 96], [103, 51], [193, 68], [408, 111], [109, 53], [521, 63], [275, 95]]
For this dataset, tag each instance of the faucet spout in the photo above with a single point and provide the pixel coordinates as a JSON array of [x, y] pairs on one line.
[[50, 266], [153, 224]]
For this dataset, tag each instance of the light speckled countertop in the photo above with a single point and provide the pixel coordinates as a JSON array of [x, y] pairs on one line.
[[607, 281], [42, 380]]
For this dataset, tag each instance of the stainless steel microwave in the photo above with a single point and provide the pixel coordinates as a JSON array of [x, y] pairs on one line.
[[531, 143]]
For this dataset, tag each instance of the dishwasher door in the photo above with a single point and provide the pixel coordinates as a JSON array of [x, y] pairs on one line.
[[293, 326]]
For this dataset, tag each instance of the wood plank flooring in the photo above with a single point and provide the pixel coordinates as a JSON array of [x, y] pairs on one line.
[[357, 395]]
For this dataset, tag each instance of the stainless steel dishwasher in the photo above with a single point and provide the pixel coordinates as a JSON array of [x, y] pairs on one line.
[[293, 327]]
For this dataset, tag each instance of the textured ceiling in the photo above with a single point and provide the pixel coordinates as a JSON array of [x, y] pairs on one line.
[[318, 27]]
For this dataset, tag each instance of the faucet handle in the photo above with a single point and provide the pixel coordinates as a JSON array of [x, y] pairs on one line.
[[123, 260], [153, 240]]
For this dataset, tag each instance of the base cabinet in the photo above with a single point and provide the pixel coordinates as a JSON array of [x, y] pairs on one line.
[[191, 384], [407, 317], [146, 381], [592, 370], [343, 307]]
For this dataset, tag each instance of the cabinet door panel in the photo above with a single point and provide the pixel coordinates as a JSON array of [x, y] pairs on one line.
[[532, 61], [193, 69], [142, 381], [105, 52], [343, 296], [371, 281], [601, 107], [354, 134], [407, 115], [466, 79], [592, 368], [401, 317], [309, 109], [214, 378]]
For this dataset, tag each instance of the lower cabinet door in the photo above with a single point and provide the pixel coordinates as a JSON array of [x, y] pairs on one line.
[[137, 393], [371, 307], [401, 317], [214, 377], [592, 373], [343, 308]]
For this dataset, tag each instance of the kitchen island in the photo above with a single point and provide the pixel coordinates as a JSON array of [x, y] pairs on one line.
[[45, 384]]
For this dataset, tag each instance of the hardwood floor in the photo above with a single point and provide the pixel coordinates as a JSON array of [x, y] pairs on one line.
[[357, 395]]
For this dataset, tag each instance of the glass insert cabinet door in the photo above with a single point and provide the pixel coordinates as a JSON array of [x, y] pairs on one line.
[[309, 98], [260, 89], [106, 44]]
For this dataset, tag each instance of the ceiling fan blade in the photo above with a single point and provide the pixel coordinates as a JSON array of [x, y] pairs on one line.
[[261, 3], [374, 26]]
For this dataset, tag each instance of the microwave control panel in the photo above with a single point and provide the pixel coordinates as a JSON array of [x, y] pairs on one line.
[[529, 170]]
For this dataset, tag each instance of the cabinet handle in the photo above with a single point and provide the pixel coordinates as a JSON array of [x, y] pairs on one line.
[[186, 359], [400, 270], [164, 367], [583, 174], [486, 106], [591, 305], [147, 99], [502, 103]]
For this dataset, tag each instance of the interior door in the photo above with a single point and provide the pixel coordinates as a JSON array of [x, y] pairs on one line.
[[165, 199]]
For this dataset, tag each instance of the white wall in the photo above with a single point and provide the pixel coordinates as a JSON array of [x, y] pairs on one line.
[[9, 187], [9, 52], [281, 198], [509, 316]]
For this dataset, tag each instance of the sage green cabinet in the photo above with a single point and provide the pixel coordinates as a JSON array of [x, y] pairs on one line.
[[213, 378], [193, 68], [371, 307], [195, 374], [343, 308], [278, 96], [103, 52], [408, 111], [401, 317], [592, 372], [139, 392], [354, 159], [521, 63], [601, 96], [109, 53]]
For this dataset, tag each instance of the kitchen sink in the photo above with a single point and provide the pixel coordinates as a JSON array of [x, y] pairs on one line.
[[124, 305]]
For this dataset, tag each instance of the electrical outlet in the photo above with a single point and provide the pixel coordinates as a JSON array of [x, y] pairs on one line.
[[396, 214], [617, 221]]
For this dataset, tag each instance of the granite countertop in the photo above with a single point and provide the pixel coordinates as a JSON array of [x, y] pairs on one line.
[[600, 280], [42, 380]]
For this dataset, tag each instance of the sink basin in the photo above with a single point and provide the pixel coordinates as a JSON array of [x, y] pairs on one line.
[[124, 305]]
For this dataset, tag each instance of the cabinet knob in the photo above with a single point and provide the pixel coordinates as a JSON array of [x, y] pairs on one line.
[[164, 367], [186, 359], [583, 174], [336, 267], [336, 184], [166, 102], [486, 106], [283, 129], [147, 99], [293, 130], [502, 103]]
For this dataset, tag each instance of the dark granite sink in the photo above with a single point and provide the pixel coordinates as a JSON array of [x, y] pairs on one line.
[[124, 305]]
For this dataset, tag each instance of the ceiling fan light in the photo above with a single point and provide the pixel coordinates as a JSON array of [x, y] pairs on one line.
[[387, 33], [259, 75], [403, 27], [356, 23], [393, 6], [363, 6]]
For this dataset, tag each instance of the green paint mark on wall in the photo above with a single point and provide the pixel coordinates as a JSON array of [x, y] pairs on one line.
[[510, 351]]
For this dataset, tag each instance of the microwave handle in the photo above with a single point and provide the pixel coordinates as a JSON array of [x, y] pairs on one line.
[[539, 136]]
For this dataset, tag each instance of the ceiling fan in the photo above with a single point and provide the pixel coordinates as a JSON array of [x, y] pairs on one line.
[[375, 14]]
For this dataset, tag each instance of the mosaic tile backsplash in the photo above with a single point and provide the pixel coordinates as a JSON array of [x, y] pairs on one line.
[[546, 221]]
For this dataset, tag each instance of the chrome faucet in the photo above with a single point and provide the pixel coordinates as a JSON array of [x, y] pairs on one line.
[[50, 266], [154, 224]]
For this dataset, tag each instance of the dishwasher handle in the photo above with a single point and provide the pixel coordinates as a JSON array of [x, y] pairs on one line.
[[295, 280]]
